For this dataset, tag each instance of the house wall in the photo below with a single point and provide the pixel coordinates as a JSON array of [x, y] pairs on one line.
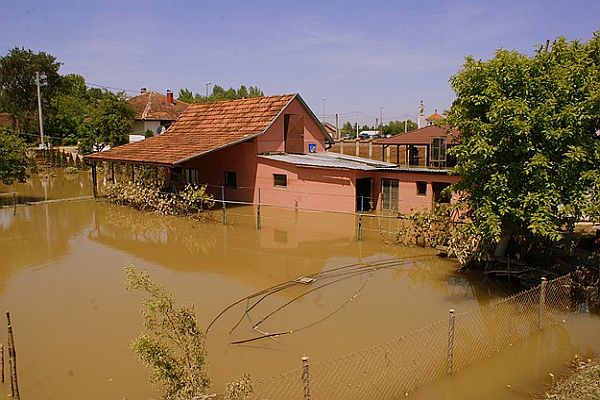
[[272, 140], [308, 188], [241, 159], [408, 198]]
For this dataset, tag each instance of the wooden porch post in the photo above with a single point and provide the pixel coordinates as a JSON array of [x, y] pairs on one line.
[[112, 172], [427, 157], [397, 154]]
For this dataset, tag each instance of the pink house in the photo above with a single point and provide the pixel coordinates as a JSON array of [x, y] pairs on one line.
[[272, 151]]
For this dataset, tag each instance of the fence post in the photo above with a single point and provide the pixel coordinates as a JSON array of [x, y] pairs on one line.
[[2, 361], [451, 325], [15, 203], [12, 360], [359, 226], [94, 181], [258, 222], [542, 308], [305, 379], [224, 206]]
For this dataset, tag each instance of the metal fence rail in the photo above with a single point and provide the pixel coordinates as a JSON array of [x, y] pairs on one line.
[[396, 368]]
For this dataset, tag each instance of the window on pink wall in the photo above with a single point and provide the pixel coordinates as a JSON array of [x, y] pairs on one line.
[[421, 188], [280, 180]]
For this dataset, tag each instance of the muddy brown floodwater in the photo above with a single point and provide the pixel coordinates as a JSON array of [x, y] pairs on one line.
[[61, 278]]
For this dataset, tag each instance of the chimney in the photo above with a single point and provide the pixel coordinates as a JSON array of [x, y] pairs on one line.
[[143, 90], [170, 97]]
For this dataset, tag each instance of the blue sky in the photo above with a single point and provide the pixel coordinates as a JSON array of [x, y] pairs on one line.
[[360, 55]]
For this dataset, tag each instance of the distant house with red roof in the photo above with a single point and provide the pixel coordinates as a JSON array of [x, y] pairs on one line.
[[154, 112], [269, 150], [423, 154]]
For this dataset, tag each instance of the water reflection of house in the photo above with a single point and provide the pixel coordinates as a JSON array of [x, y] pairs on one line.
[[269, 150], [286, 247]]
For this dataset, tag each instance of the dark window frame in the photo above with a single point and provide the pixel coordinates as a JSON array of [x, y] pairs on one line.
[[421, 185], [282, 183], [231, 183]]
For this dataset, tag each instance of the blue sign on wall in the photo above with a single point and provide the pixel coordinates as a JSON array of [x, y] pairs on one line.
[[312, 148]]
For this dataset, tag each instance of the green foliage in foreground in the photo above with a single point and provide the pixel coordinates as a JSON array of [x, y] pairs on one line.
[[174, 347], [13, 157], [529, 157]]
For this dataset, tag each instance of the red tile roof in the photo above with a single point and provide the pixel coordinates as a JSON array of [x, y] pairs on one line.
[[421, 136], [434, 117], [155, 106], [202, 128]]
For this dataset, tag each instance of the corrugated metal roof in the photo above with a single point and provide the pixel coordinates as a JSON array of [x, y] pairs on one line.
[[330, 160]]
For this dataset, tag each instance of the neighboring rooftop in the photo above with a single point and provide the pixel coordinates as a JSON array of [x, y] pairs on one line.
[[155, 106], [420, 136], [434, 117], [201, 129], [330, 160]]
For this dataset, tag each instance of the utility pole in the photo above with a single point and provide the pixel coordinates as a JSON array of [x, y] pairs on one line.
[[357, 122], [39, 100], [323, 119], [337, 129]]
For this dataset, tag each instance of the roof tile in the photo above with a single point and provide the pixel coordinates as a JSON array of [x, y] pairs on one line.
[[200, 129]]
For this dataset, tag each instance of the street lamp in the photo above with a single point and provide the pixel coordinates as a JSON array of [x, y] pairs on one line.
[[207, 83], [323, 119], [381, 120]]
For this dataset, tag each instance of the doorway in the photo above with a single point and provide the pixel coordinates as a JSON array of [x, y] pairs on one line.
[[363, 194]]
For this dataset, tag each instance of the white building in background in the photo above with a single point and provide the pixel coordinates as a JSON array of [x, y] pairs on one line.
[[153, 112]]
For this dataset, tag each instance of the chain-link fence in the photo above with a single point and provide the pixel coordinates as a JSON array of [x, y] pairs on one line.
[[396, 368]]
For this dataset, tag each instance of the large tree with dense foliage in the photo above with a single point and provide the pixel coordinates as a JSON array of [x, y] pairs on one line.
[[529, 156], [108, 123], [13, 157], [18, 91]]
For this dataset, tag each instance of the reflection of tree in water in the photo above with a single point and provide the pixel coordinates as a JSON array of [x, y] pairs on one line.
[[127, 225], [39, 234], [50, 184]]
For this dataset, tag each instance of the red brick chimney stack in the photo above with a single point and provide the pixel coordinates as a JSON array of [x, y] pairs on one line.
[[170, 97]]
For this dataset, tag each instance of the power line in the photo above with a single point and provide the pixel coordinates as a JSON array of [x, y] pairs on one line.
[[110, 87]]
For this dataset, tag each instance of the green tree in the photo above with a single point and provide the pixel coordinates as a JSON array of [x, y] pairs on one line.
[[186, 96], [397, 127], [108, 122], [13, 157], [18, 91], [348, 130], [219, 94], [71, 105], [174, 347], [529, 151]]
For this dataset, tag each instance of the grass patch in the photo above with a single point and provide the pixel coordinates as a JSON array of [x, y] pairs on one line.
[[582, 384]]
